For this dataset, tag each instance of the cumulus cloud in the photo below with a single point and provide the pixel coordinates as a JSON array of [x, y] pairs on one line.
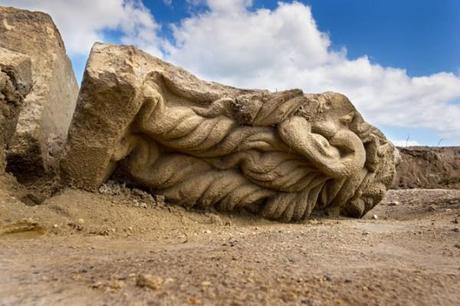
[[234, 43], [283, 48], [82, 22]]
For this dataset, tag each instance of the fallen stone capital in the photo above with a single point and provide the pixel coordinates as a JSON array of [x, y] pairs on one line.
[[279, 154]]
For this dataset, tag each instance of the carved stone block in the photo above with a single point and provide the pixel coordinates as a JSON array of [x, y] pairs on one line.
[[201, 144]]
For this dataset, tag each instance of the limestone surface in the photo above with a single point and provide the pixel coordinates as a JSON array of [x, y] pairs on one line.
[[15, 84], [48, 108], [281, 154]]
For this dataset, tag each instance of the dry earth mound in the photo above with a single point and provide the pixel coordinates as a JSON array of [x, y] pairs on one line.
[[428, 167]]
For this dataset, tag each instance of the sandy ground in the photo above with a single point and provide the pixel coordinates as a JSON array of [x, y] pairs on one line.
[[122, 247]]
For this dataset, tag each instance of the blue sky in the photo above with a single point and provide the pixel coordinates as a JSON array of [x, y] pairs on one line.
[[398, 61], [422, 36]]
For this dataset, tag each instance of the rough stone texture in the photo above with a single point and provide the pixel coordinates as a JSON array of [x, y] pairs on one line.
[[15, 83], [428, 167], [48, 108], [202, 144]]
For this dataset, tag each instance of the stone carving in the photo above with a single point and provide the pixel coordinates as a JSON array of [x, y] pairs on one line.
[[15, 84], [45, 117], [280, 154]]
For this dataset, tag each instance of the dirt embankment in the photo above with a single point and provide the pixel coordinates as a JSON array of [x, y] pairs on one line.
[[121, 246], [428, 167]]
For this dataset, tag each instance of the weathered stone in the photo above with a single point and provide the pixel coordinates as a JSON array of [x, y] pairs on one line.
[[48, 108], [281, 154], [15, 84]]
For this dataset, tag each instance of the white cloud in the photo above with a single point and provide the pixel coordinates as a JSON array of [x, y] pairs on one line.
[[82, 22], [283, 48], [277, 49], [404, 143]]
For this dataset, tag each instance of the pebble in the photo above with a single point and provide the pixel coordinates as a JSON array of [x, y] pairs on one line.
[[96, 285], [393, 203], [116, 284], [375, 217], [81, 221], [194, 301], [149, 280]]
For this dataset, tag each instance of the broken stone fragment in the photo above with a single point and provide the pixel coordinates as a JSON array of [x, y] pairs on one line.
[[48, 108], [15, 84], [200, 144]]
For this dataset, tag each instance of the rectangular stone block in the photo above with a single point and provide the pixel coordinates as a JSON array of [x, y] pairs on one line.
[[45, 117]]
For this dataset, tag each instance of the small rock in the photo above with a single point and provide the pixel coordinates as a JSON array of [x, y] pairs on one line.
[[97, 285], [149, 280], [33, 199], [159, 199], [393, 203], [75, 226], [375, 217], [457, 246], [81, 221], [456, 229], [143, 205], [207, 232], [116, 284], [206, 283], [288, 297], [194, 301]]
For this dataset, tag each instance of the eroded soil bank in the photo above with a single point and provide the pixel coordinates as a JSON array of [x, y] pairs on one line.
[[428, 167], [123, 247]]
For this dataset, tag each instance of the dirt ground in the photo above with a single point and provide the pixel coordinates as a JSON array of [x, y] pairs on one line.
[[123, 247]]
